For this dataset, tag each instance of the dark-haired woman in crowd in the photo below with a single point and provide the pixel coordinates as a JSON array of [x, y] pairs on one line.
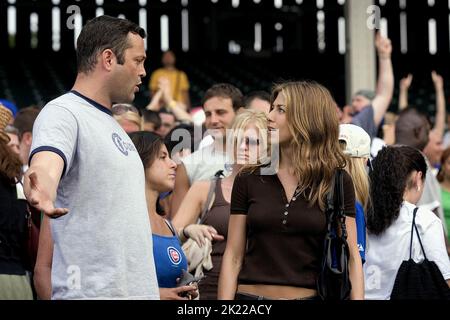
[[397, 182], [160, 177], [14, 281], [277, 225]]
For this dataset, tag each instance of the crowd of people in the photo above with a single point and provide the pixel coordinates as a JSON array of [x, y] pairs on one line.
[[227, 202]]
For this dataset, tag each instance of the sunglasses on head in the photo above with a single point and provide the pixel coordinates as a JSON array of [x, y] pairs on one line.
[[122, 108]]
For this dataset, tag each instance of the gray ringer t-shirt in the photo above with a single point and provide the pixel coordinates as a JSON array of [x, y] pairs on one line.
[[103, 246], [364, 119]]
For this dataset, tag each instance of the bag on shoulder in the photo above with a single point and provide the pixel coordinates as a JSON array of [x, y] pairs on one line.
[[333, 282], [33, 224], [421, 280]]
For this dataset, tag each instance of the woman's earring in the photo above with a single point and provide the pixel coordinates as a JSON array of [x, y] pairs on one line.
[[418, 189]]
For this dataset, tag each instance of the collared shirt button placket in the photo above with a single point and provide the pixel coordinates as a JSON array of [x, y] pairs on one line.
[[285, 215], [286, 212]]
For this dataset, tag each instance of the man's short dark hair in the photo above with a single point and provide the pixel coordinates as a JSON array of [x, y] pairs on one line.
[[225, 90], [103, 33], [261, 95], [152, 117], [412, 129], [167, 111], [25, 118]]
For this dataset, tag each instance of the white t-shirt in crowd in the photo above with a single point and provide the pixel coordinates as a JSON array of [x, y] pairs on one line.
[[386, 252]]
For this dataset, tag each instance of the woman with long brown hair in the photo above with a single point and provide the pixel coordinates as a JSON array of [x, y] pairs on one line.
[[277, 224]]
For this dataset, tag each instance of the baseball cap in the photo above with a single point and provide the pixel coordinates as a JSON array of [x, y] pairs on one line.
[[357, 140], [369, 94]]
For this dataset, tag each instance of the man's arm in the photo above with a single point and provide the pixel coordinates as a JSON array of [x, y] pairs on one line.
[[181, 188], [405, 83], [439, 124], [385, 84], [186, 99], [41, 182], [43, 268], [154, 104], [177, 107]]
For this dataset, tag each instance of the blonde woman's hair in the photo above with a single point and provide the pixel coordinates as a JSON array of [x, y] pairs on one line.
[[356, 168], [313, 123], [251, 117], [130, 116]]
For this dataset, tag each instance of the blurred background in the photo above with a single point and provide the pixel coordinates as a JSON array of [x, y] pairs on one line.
[[249, 43]]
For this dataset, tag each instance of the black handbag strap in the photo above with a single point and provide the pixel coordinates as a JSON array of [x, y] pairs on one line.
[[212, 189], [335, 198], [414, 226], [330, 195]]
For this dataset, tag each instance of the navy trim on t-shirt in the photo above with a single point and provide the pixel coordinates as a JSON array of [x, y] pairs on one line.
[[94, 103], [51, 149]]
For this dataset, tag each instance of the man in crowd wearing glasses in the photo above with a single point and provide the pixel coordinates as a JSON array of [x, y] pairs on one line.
[[85, 173]]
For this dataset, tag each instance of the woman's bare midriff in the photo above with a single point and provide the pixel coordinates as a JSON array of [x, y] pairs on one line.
[[276, 292]]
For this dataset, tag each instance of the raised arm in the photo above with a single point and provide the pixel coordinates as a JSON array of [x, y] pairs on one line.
[[405, 83], [233, 257], [41, 182], [154, 104], [177, 107], [43, 267], [181, 188], [439, 124], [385, 84], [186, 99]]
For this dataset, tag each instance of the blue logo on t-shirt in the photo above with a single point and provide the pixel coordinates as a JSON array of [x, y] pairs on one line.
[[123, 146], [174, 255]]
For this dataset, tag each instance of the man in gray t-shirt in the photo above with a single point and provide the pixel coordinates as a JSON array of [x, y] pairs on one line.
[[99, 245]]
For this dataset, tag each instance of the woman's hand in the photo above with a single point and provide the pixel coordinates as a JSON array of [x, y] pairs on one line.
[[179, 293], [198, 233]]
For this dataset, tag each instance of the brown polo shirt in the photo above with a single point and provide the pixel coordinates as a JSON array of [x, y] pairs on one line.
[[284, 240]]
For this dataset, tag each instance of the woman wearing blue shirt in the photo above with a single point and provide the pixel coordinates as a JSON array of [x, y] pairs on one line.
[[170, 260]]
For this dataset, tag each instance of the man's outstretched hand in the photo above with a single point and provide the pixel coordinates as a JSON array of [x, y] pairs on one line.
[[39, 197]]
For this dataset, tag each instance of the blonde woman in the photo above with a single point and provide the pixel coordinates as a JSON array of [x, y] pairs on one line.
[[249, 132], [277, 222], [355, 142]]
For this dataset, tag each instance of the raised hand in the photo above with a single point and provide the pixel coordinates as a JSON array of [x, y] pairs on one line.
[[437, 80], [39, 197], [405, 82], [164, 86], [384, 46]]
